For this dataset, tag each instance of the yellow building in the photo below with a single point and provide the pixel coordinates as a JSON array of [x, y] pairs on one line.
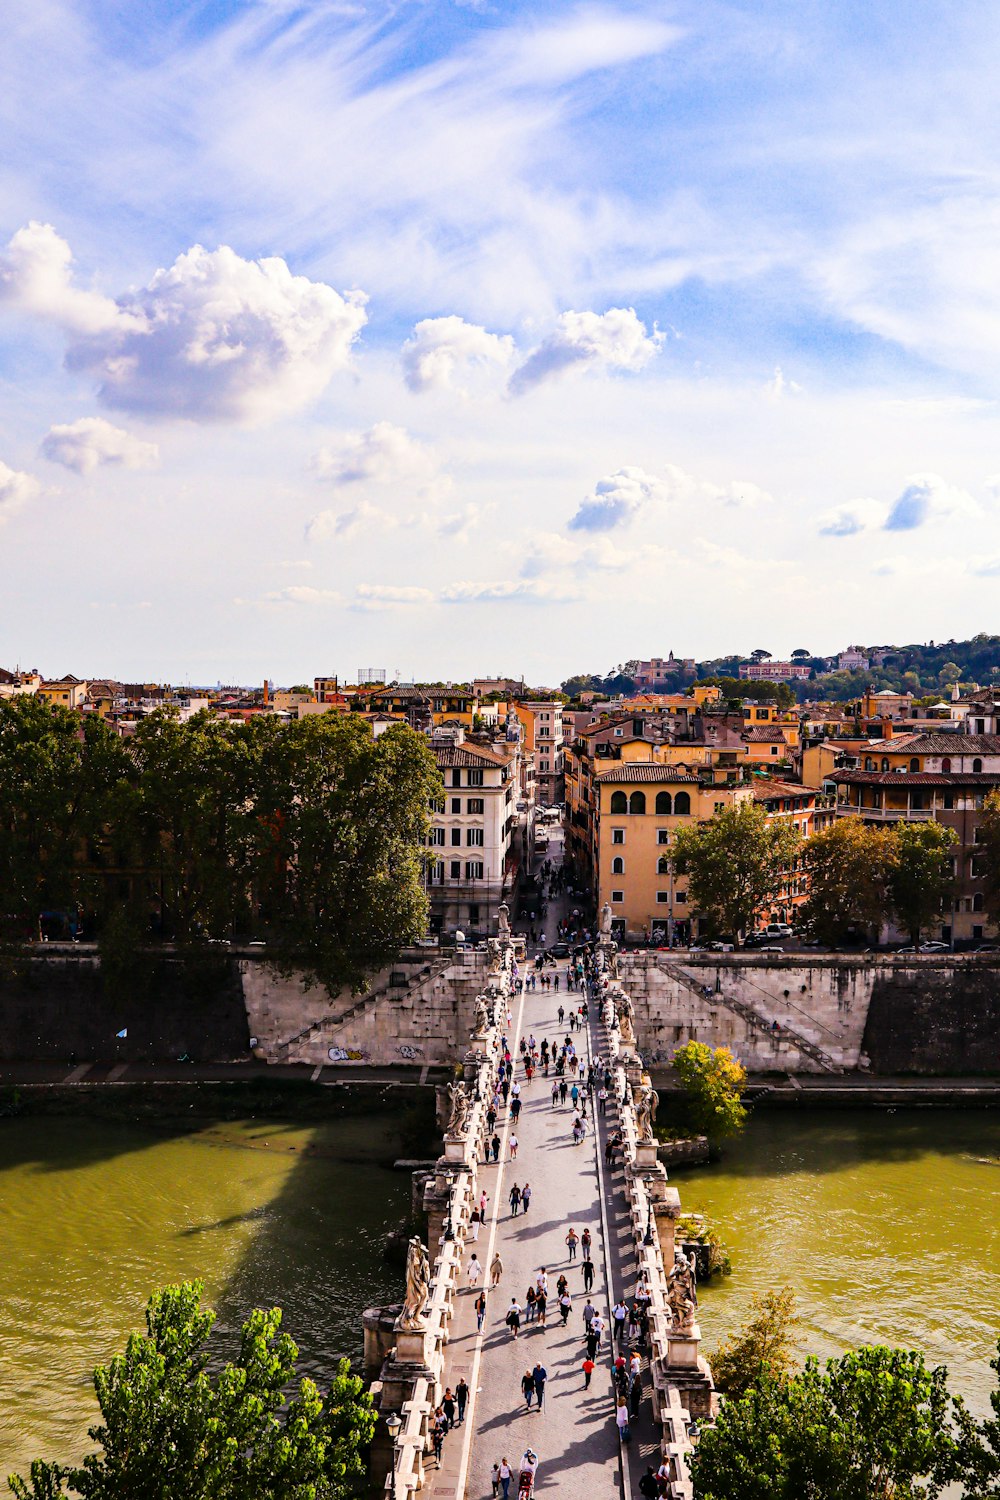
[[638, 808], [68, 691]]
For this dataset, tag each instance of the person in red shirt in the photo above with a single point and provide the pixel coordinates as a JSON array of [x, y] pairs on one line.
[[588, 1370]]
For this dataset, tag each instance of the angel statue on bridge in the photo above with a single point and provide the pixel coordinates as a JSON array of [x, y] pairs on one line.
[[418, 1280], [458, 1120], [646, 1101]]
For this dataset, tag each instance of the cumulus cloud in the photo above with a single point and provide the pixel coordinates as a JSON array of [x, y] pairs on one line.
[[616, 500], [299, 593], [212, 338], [376, 596], [850, 519], [443, 350], [615, 340], [17, 490], [928, 497], [384, 454], [551, 552], [85, 445], [511, 590], [36, 275]]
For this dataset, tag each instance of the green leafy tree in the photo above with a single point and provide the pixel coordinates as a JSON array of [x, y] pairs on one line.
[[764, 1345], [848, 866], [920, 874], [871, 1426], [975, 1459], [988, 853], [175, 1428], [714, 1082], [735, 864]]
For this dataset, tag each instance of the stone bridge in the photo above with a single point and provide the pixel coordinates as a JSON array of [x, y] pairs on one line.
[[432, 1342]]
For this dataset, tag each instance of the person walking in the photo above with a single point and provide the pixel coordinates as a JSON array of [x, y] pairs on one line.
[[540, 1375], [634, 1399], [572, 1240], [527, 1388], [513, 1318], [563, 1089], [621, 1417], [495, 1480], [589, 1314], [565, 1306], [448, 1406], [602, 1100], [588, 1273], [513, 1146], [515, 1110], [585, 1243], [505, 1473], [480, 1306], [526, 1197], [437, 1434], [475, 1270], [619, 1316], [530, 1299], [496, 1270], [541, 1302], [555, 1091], [495, 1147], [515, 1200], [561, 1013], [482, 1206], [593, 1342], [588, 1370], [474, 1225]]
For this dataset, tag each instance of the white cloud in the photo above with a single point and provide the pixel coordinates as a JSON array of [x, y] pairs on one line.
[[928, 498], [852, 518], [17, 490], [36, 276], [615, 340], [379, 596], [617, 500], [550, 552], [213, 338], [511, 590], [296, 593], [85, 445], [442, 350], [385, 454], [365, 517]]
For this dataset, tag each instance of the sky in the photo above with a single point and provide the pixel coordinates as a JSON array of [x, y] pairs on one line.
[[456, 337]]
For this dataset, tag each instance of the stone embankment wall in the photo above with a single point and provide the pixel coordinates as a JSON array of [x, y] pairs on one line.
[[922, 1014]]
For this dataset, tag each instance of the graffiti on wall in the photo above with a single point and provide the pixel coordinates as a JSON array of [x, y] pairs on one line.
[[347, 1054], [408, 1053]]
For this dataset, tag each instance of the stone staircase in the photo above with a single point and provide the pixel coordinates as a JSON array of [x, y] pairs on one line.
[[753, 1017], [392, 987]]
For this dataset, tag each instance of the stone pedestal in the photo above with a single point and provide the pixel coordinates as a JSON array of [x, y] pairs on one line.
[[455, 1148], [666, 1212], [380, 1335], [646, 1160], [683, 1349]]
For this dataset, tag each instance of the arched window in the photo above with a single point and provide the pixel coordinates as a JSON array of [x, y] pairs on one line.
[[664, 803], [915, 764], [869, 763], [885, 762], [619, 802], [946, 763], [682, 804], [977, 901], [977, 765], [663, 865], [618, 865], [637, 802]]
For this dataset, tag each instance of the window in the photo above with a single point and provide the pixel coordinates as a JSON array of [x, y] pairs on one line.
[[977, 766], [475, 805], [474, 869], [437, 804], [663, 897], [949, 801], [456, 869], [618, 835], [885, 762], [473, 914], [682, 804], [718, 806], [456, 778], [946, 763], [664, 804], [456, 804], [980, 726], [915, 764], [977, 901], [681, 896], [663, 865], [774, 749], [618, 865], [474, 838], [456, 835], [619, 733], [619, 802], [869, 763], [437, 874], [663, 836], [475, 778], [617, 897], [637, 802], [437, 835]]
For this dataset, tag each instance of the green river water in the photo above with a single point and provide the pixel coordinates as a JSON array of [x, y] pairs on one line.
[[95, 1215], [886, 1224]]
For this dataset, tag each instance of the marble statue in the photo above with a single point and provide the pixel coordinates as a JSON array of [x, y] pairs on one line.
[[626, 1013], [418, 1280], [503, 923], [646, 1101], [605, 924], [458, 1120], [481, 1023], [495, 952], [681, 1307]]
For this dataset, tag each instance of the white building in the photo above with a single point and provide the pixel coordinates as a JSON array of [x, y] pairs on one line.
[[474, 836]]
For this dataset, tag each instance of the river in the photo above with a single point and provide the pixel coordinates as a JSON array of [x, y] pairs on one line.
[[885, 1223], [96, 1215]]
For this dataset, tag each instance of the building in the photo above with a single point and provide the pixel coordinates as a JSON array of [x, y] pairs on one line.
[[19, 684], [943, 778], [543, 741], [326, 689], [649, 675], [852, 660], [771, 734], [68, 692], [474, 847], [774, 671]]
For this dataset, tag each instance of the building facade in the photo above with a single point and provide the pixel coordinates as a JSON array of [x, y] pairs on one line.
[[473, 839]]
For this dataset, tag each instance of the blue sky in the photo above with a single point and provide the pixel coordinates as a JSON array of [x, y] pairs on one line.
[[501, 337]]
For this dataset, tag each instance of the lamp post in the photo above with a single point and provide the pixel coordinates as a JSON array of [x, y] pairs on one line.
[[648, 1238], [394, 1422]]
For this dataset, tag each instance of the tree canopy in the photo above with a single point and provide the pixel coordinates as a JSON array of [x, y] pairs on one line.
[[763, 1346], [176, 1427], [920, 874], [849, 866], [714, 1082], [735, 864]]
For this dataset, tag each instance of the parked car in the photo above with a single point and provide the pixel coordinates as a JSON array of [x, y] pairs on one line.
[[770, 948], [926, 948], [559, 950], [778, 930], [719, 947]]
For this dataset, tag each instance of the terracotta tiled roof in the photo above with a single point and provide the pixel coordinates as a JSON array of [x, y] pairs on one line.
[[454, 757], [916, 778], [940, 744], [766, 790], [763, 734], [629, 772]]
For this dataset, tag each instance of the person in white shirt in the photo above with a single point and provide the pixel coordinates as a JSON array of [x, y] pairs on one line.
[[475, 1270]]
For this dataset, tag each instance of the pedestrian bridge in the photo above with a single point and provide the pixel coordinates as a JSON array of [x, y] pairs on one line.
[[608, 1183]]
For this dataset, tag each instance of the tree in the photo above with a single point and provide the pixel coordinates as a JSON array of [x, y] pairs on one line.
[[871, 1426], [735, 864], [920, 875], [714, 1082], [175, 1427], [849, 868], [763, 1346], [988, 853], [975, 1460]]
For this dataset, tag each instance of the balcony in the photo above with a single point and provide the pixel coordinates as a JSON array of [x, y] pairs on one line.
[[887, 814]]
